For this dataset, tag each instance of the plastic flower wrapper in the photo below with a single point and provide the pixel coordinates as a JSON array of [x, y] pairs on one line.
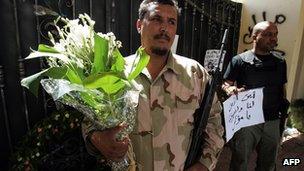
[[87, 71]]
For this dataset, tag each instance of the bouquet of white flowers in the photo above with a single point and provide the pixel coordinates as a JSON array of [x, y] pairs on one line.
[[87, 71]]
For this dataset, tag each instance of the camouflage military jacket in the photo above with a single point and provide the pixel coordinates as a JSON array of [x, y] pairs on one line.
[[161, 137]]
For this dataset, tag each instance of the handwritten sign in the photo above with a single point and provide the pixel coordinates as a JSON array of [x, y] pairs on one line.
[[242, 110], [212, 58]]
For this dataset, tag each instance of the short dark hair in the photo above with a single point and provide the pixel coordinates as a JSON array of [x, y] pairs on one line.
[[143, 8]]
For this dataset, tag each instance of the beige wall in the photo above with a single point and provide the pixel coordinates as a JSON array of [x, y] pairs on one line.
[[296, 74], [289, 39]]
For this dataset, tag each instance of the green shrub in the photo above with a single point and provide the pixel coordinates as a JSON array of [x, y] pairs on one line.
[[296, 112]]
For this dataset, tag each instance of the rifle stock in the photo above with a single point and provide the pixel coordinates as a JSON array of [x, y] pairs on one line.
[[202, 113]]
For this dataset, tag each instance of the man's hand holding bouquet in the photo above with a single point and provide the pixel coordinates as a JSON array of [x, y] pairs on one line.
[[87, 71]]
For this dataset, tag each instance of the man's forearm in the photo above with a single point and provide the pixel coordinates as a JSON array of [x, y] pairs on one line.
[[214, 141], [87, 130]]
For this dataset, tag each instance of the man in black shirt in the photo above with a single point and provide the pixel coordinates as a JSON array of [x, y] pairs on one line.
[[256, 68]]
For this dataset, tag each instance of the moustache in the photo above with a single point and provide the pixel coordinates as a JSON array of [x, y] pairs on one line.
[[162, 36]]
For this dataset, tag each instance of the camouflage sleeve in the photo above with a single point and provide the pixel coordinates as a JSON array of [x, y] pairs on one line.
[[87, 129], [213, 134], [214, 141]]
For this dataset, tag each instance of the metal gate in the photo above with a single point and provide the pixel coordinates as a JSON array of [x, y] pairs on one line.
[[24, 24]]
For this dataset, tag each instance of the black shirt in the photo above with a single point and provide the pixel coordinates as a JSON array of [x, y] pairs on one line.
[[253, 71]]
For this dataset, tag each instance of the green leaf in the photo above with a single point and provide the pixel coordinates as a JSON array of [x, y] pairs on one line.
[[101, 48], [37, 54], [140, 65], [46, 48], [90, 100], [110, 83], [119, 63], [32, 82], [75, 74], [115, 87]]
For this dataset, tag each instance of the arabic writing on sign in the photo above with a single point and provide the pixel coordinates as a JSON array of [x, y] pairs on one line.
[[244, 109]]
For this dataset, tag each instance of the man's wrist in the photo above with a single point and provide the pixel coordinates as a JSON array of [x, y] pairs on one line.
[[90, 146]]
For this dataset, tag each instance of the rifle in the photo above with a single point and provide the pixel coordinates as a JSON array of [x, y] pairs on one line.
[[202, 113]]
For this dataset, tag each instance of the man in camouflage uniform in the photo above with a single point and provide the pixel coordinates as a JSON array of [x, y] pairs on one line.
[[172, 88]]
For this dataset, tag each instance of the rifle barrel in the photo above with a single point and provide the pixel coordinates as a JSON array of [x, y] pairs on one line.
[[202, 113]]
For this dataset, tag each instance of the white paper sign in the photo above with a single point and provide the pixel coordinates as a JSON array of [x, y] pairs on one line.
[[244, 109], [212, 58]]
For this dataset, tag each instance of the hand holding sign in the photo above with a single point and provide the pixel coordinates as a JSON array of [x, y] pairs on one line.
[[243, 110]]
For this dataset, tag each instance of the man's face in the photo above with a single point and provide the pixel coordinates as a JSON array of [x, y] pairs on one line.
[[158, 29], [267, 39]]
